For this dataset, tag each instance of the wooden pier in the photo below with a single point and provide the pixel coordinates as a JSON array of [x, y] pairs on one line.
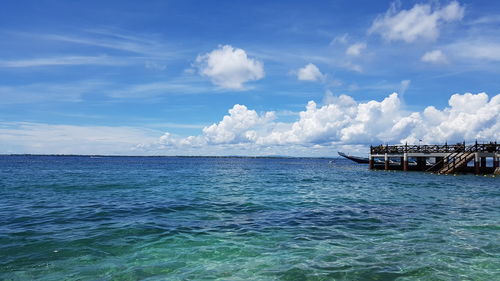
[[443, 159]]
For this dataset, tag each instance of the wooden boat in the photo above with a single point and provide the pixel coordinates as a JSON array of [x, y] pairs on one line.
[[360, 160], [363, 160]]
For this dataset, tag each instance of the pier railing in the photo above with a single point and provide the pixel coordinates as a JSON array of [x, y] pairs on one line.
[[446, 148]]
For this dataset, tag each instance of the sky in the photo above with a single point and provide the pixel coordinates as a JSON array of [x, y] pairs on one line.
[[256, 78]]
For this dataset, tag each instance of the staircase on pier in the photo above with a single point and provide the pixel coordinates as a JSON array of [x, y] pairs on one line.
[[456, 161]]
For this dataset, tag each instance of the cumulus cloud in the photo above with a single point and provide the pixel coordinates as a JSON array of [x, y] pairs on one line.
[[344, 121], [310, 72], [469, 117], [355, 49], [435, 56], [420, 22], [238, 126], [229, 67]]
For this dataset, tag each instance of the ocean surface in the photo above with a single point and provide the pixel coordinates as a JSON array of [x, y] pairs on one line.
[[174, 218]]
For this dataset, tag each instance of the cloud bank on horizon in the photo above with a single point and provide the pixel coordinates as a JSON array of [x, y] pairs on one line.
[[343, 123], [347, 122], [105, 89]]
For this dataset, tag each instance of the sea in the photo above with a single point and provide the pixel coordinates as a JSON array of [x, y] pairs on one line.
[[237, 218]]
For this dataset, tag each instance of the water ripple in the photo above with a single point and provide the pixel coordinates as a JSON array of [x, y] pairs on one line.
[[139, 218]]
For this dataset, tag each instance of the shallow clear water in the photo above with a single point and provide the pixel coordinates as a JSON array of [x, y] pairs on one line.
[[158, 218]]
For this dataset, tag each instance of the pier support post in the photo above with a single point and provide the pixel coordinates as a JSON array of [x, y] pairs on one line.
[[370, 163], [439, 160], [421, 163], [476, 163], [386, 162], [483, 162], [405, 162], [495, 161]]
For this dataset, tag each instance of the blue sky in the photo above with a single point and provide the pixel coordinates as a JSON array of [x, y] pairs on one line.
[[162, 77]]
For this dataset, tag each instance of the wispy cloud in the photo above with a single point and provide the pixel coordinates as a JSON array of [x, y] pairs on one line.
[[98, 47], [26, 137], [353, 66], [355, 49], [484, 50], [342, 39], [63, 60], [48, 92], [164, 88], [149, 46], [75, 91], [485, 20], [176, 125]]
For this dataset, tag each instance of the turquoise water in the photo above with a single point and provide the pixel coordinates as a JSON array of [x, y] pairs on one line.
[[158, 218]]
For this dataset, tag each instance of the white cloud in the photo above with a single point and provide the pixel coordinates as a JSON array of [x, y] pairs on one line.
[[451, 12], [469, 117], [237, 127], [420, 22], [343, 121], [310, 72], [436, 56], [355, 49], [229, 67]]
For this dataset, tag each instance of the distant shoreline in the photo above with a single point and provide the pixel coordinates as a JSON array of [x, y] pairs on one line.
[[173, 156]]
